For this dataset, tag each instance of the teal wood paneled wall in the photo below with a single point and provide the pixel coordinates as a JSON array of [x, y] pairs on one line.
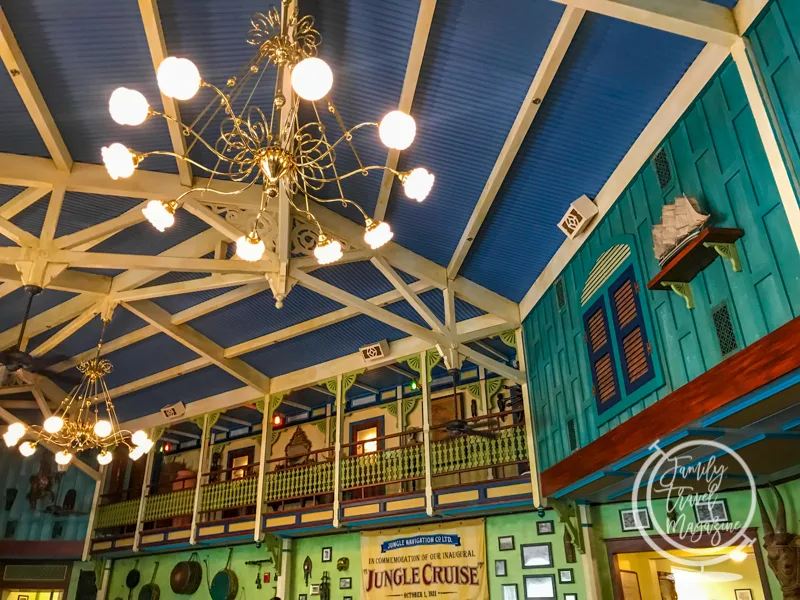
[[37, 524], [717, 157]]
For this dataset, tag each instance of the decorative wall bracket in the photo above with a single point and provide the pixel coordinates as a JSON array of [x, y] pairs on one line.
[[729, 252], [569, 515], [683, 289]]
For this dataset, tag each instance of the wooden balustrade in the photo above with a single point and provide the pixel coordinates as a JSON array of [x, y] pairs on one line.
[[302, 478], [398, 459]]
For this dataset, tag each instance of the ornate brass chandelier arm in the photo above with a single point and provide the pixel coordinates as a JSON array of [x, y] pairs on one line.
[[354, 172], [331, 147], [190, 161], [197, 138]]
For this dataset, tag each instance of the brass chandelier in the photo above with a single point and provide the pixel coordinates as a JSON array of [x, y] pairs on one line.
[[77, 424], [285, 148]]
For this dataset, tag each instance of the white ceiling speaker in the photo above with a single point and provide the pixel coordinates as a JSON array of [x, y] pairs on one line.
[[173, 411], [376, 351], [580, 212]]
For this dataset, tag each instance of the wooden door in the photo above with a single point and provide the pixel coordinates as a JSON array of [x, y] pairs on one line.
[[366, 432], [239, 466]]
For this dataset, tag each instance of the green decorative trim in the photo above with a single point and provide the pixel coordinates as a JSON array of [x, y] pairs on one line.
[[492, 389], [433, 357], [474, 391], [509, 338], [156, 433], [275, 401], [320, 424], [213, 418], [350, 379], [414, 364], [728, 252], [568, 514], [331, 385], [683, 289], [260, 404], [391, 408], [275, 436], [409, 404], [199, 421]]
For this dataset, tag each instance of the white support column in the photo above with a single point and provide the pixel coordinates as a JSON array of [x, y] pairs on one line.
[[98, 488], [283, 578], [772, 138], [337, 452], [264, 455], [148, 474], [530, 432], [588, 560], [201, 463], [425, 384], [102, 589]]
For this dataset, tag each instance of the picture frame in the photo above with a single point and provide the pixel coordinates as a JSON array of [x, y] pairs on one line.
[[346, 583], [741, 594], [540, 587], [348, 598], [631, 518], [500, 568], [545, 527], [327, 554], [23, 597], [510, 591], [536, 556], [712, 511], [302, 597], [505, 542], [315, 589], [566, 576], [571, 596]]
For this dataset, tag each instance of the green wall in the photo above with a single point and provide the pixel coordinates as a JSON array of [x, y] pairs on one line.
[[716, 156], [344, 545]]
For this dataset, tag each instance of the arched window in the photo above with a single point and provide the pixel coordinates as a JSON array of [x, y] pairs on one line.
[[69, 499]]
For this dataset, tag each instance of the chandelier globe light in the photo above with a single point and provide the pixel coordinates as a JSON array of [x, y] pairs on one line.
[[287, 148], [77, 424]]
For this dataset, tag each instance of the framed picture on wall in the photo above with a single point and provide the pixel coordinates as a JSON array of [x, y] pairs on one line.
[[566, 576], [740, 594], [499, 568], [510, 591], [327, 554], [570, 596], [505, 542], [348, 598], [545, 527], [537, 556], [345, 583], [315, 589], [302, 597], [540, 587], [712, 511], [634, 519]]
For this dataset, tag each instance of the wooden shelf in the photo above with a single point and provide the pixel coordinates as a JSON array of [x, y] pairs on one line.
[[693, 258]]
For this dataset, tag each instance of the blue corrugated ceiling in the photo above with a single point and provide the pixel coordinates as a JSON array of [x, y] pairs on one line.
[[19, 132], [151, 355], [601, 99], [78, 57], [12, 306]]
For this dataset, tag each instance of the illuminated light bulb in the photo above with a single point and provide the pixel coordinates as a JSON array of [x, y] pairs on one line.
[[63, 457], [136, 453], [178, 78], [397, 130], [10, 440], [120, 162], [250, 247], [146, 446], [312, 78], [17, 430], [417, 184], [53, 424], [277, 420], [738, 556], [327, 251], [160, 214], [102, 429], [27, 449], [377, 234], [128, 107], [139, 437], [105, 457]]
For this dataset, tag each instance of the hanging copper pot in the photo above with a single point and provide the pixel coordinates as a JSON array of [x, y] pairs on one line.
[[225, 583], [186, 576]]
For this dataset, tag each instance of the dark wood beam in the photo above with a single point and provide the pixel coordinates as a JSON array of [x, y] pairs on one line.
[[760, 363]]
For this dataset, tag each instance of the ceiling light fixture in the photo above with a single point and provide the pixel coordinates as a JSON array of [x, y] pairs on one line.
[[77, 425], [283, 148]]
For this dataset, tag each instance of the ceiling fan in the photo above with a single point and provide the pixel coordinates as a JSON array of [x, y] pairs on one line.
[[15, 360], [460, 427]]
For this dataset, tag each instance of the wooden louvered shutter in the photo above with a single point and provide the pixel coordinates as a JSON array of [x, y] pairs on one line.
[[634, 347], [601, 356]]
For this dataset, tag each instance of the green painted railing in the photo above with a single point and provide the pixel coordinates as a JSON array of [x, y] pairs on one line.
[[171, 504], [307, 480], [229, 494], [472, 451], [117, 514], [386, 466]]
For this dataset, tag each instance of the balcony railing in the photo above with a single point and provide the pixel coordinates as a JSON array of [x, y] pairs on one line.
[[495, 449]]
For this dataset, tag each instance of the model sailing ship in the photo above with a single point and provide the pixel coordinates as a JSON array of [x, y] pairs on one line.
[[681, 222]]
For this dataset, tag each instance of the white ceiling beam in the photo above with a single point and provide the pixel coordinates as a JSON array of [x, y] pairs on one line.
[[686, 91], [82, 239], [198, 343], [65, 332], [211, 218], [212, 282], [108, 347], [235, 421], [191, 436], [746, 11], [21, 201], [31, 96], [41, 402], [105, 260], [487, 348], [50, 224], [551, 62], [366, 387], [366, 307], [18, 404], [401, 286], [76, 462], [492, 365], [696, 19], [158, 52], [413, 67], [18, 235], [65, 311], [81, 283], [93, 179], [468, 331], [161, 377], [221, 301], [402, 372]]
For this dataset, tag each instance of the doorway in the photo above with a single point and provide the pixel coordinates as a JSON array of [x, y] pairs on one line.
[[240, 465], [368, 434]]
